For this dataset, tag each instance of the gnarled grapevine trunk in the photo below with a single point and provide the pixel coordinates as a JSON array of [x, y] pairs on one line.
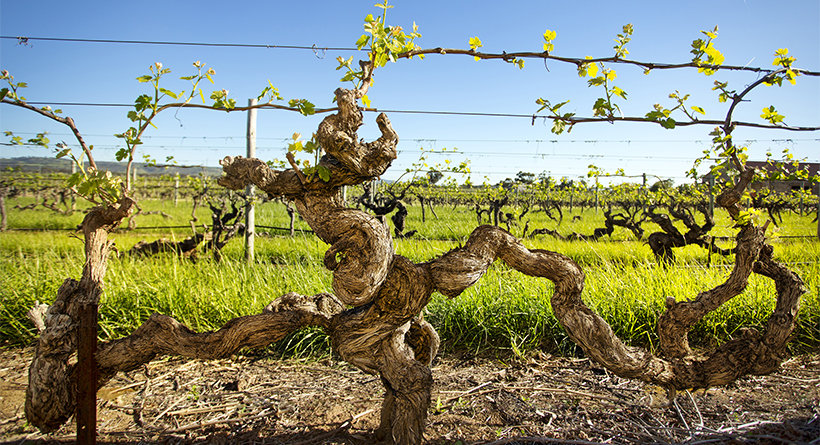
[[50, 396], [373, 316], [663, 242]]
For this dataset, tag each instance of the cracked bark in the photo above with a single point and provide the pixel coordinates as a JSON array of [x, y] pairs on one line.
[[373, 316], [51, 392]]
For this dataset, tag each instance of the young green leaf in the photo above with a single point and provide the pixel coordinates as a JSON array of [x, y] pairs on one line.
[[324, 173], [168, 92], [549, 36], [771, 115], [363, 40], [619, 92]]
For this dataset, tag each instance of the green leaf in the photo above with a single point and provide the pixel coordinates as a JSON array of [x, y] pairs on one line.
[[296, 146], [791, 76], [323, 172], [75, 179], [121, 154], [601, 107], [549, 36], [475, 43], [168, 92], [3, 93], [698, 110], [305, 107], [145, 78], [592, 69], [142, 102], [771, 115], [362, 41]]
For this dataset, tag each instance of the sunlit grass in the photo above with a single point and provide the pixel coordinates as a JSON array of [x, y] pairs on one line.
[[505, 310]]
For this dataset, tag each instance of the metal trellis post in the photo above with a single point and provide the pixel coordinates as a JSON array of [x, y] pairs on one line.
[[250, 217]]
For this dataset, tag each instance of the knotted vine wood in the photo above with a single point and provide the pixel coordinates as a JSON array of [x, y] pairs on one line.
[[372, 316]]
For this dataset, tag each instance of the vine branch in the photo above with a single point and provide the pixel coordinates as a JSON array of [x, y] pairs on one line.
[[69, 122], [509, 57]]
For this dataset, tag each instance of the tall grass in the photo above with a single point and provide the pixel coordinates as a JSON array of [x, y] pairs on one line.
[[505, 310]]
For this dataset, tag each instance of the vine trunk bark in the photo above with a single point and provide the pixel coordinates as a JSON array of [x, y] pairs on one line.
[[373, 315]]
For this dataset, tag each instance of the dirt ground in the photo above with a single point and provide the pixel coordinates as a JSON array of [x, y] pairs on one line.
[[544, 399]]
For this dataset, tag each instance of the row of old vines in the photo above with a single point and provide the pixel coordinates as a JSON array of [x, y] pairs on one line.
[[373, 316]]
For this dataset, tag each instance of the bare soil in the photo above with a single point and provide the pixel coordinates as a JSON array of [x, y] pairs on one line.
[[542, 399]]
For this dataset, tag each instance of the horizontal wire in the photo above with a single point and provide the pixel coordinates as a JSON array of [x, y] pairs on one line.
[[457, 154], [516, 141], [446, 113], [24, 40], [532, 117]]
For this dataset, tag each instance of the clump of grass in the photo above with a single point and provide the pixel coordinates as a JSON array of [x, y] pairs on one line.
[[504, 310]]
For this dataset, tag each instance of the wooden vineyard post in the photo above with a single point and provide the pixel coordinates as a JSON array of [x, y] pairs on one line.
[[3, 215], [802, 188], [73, 196], [176, 190], [596, 194], [88, 375], [250, 216], [645, 194], [711, 195]]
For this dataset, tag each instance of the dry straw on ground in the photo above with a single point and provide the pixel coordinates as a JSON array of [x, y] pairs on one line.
[[257, 400]]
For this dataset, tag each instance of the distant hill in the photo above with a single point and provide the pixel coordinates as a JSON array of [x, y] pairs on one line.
[[54, 165]]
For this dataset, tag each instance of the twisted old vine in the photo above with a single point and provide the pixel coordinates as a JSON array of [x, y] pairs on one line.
[[373, 316]]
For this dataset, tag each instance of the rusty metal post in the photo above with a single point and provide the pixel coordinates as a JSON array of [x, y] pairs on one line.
[[87, 375]]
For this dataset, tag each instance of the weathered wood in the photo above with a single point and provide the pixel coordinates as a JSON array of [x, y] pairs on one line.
[[4, 191], [185, 247], [51, 393], [88, 375], [373, 318], [675, 323], [662, 243], [460, 268], [162, 335]]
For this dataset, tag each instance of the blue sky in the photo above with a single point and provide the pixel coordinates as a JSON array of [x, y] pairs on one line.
[[498, 147]]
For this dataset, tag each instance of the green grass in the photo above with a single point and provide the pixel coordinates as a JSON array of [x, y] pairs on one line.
[[505, 311]]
